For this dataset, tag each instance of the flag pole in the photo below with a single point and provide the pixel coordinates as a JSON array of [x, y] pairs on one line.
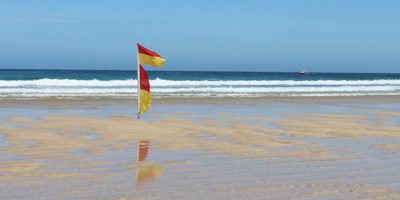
[[138, 83]]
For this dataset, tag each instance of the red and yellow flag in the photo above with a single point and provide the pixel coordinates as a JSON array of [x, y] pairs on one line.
[[146, 57], [145, 94]]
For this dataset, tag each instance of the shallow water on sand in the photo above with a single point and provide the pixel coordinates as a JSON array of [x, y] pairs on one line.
[[202, 165]]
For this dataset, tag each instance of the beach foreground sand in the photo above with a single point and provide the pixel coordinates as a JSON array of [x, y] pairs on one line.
[[289, 150]]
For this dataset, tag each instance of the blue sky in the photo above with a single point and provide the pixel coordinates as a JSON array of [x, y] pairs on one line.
[[285, 35]]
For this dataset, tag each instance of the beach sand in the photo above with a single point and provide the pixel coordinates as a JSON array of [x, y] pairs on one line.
[[303, 148]]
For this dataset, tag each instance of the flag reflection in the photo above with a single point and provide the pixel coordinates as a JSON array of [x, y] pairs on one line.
[[146, 171]]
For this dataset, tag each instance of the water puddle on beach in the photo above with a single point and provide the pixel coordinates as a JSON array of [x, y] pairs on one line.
[[211, 153]]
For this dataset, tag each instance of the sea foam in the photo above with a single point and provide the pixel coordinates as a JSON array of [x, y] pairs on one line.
[[197, 88]]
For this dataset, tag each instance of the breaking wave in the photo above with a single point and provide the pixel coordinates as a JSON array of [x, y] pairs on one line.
[[193, 88]]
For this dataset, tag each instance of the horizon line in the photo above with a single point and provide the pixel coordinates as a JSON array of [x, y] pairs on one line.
[[197, 71]]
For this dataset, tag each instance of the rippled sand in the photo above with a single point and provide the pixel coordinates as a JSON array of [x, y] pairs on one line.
[[206, 154]]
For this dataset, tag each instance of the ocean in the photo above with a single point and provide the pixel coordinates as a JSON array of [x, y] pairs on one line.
[[31, 84]]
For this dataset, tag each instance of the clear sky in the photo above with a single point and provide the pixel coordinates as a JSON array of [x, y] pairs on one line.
[[228, 35]]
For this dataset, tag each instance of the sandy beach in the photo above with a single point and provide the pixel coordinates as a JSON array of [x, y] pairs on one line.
[[199, 100], [249, 149]]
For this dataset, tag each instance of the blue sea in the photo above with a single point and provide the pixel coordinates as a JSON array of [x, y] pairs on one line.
[[31, 84]]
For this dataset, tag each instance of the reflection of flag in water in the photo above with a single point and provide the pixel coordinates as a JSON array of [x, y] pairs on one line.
[[146, 172], [143, 150], [151, 58]]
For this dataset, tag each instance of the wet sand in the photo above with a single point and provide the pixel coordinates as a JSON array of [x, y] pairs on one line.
[[249, 149]]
